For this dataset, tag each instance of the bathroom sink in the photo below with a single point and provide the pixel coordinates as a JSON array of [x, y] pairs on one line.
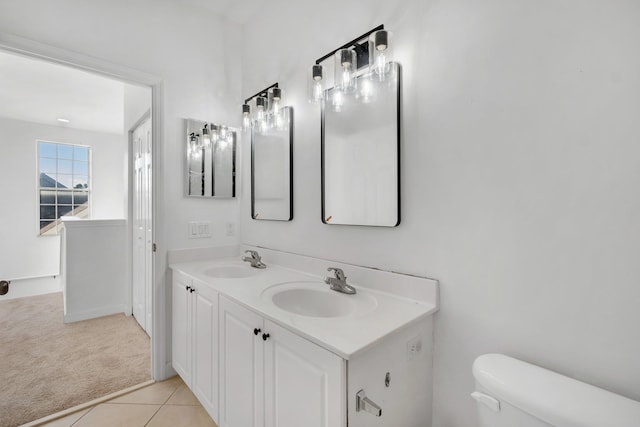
[[229, 272], [315, 299], [314, 303]]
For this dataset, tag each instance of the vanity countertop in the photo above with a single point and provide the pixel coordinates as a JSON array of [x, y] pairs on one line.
[[345, 336]]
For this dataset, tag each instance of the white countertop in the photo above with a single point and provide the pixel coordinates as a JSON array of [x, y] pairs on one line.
[[345, 336]]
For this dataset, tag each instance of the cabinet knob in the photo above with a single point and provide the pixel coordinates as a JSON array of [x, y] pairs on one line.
[[192, 290], [188, 288], [256, 331], [265, 337]]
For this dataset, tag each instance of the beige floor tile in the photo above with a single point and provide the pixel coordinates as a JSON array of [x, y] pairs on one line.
[[183, 396], [120, 415], [155, 394], [68, 420], [181, 416]]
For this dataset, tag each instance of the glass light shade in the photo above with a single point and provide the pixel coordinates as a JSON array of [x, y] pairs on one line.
[[260, 116], [215, 133], [276, 116], [246, 117], [206, 136], [380, 54], [316, 85], [345, 70]]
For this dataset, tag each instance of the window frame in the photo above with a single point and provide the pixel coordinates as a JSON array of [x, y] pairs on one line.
[[39, 189]]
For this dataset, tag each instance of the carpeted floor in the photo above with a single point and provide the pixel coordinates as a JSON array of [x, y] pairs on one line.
[[47, 366]]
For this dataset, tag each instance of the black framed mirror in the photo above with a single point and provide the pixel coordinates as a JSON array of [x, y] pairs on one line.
[[360, 137], [211, 160], [272, 171]]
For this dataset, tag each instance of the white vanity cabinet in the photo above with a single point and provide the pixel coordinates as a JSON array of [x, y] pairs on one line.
[[195, 338], [270, 377]]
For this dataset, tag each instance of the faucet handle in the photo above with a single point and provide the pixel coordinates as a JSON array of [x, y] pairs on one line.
[[338, 272], [254, 254]]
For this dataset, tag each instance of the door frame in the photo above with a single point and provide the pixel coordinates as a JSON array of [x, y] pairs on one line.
[[160, 366]]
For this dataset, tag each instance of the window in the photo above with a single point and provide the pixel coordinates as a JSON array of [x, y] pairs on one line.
[[63, 183]]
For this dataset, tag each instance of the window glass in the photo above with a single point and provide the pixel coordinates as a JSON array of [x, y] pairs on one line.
[[63, 183]]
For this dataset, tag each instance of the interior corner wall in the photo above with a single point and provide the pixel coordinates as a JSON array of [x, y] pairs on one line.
[[520, 173], [23, 253]]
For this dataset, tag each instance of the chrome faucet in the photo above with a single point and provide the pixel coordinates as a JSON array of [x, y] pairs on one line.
[[339, 283], [254, 259]]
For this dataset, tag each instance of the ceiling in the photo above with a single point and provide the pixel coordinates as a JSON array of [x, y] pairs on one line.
[[237, 11], [38, 91]]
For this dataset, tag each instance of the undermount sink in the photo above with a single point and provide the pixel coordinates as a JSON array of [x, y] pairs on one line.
[[229, 272], [315, 299]]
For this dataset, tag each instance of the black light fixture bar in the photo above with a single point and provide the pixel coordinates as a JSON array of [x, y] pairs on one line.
[[263, 92], [360, 48]]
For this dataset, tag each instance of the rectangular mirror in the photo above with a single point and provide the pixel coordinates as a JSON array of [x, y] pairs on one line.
[[211, 160], [361, 153], [271, 171]]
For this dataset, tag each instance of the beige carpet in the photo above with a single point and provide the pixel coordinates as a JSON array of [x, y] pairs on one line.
[[47, 366]]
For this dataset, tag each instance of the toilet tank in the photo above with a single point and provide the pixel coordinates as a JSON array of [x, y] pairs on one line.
[[512, 393]]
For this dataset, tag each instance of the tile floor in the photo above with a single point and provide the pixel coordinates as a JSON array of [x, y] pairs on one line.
[[166, 404]]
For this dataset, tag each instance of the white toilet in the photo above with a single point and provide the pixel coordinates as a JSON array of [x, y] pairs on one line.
[[512, 393]]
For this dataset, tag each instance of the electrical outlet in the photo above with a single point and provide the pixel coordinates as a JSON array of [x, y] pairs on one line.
[[231, 229], [414, 346]]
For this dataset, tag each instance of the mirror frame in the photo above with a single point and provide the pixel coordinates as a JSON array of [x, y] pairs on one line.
[[398, 154], [253, 166]]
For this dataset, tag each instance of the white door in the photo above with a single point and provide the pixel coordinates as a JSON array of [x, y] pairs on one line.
[[304, 384], [205, 347], [241, 372], [181, 326], [142, 225]]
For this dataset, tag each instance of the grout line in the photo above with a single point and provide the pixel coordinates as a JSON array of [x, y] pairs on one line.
[[154, 414], [83, 415]]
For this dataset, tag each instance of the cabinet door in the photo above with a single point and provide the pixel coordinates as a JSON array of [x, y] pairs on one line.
[[181, 327], [205, 347], [304, 383], [241, 358]]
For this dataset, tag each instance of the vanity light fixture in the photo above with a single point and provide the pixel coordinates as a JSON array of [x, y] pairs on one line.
[[269, 110], [367, 55]]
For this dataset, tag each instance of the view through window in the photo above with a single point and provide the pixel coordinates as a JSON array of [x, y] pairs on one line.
[[63, 183]]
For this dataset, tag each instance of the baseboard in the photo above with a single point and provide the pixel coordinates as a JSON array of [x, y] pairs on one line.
[[169, 371], [92, 314]]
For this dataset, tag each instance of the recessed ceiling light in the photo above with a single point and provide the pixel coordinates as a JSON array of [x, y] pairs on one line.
[[61, 120]]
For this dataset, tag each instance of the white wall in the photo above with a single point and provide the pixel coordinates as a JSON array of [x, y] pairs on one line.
[[194, 52], [520, 175], [23, 253]]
